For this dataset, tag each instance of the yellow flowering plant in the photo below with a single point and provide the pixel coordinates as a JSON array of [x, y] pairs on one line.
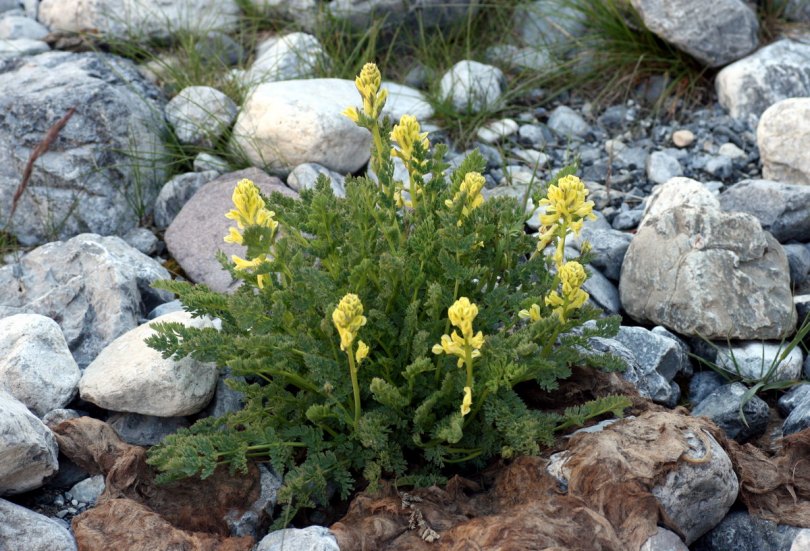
[[387, 334]]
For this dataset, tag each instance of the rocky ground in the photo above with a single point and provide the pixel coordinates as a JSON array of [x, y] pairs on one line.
[[703, 231]]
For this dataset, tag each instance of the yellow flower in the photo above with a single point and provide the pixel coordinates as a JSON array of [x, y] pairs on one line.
[[233, 236], [352, 113], [572, 276], [406, 134], [470, 191], [461, 314], [467, 401], [362, 352], [533, 313], [250, 211], [566, 204], [348, 319], [368, 84], [245, 265]]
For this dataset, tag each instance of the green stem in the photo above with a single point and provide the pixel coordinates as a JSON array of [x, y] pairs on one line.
[[465, 458], [355, 386]]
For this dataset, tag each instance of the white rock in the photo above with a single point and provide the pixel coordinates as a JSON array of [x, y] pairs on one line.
[[36, 366], [26, 530], [731, 151], [312, 538], [683, 138], [129, 376], [802, 541], [28, 451], [200, 114], [664, 540], [288, 57], [21, 47], [471, 86], [304, 177], [783, 137], [775, 72], [404, 100], [566, 122], [87, 490], [662, 167], [19, 26], [497, 130], [139, 18], [675, 193], [754, 359]]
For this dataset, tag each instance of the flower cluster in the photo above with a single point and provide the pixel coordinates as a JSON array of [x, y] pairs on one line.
[[368, 84], [348, 319], [566, 210], [250, 211], [466, 346], [412, 145], [572, 275], [468, 194]]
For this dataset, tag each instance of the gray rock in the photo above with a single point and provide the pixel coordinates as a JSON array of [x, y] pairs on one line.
[[602, 292], [95, 288], [792, 398], [664, 540], [129, 376], [720, 167], [20, 47], [142, 240], [304, 12], [799, 261], [608, 248], [775, 72], [305, 175], [675, 193], [88, 490], [704, 383], [176, 193], [532, 135], [753, 360], [655, 351], [567, 123], [139, 19], [715, 33], [78, 186], [701, 271], [723, 407], [685, 368], [8, 5], [546, 24], [802, 303], [165, 308], [414, 14], [24, 529], [220, 48], [627, 219], [312, 538], [698, 494], [662, 167], [741, 531], [35, 364], [799, 417], [29, 448], [288, 57], [145, 430], [782, 209], [797, 10], [649, 382], [56, 416], [226, 400], [205, 161], [200, 227], [784, 140], [632, 157], [520, 59], [200, 115], [250, 521], [18, 26], [470, 86]]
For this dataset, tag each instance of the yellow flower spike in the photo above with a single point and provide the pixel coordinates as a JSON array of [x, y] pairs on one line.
[[233, 236], [406, 134], [352, 113], [362, 352], [248, 203], [566, 203], [533, 313], [470, 190], [369, 80], [461, 314], [348, 319], [244, 265], [572, 275], [467, 401]]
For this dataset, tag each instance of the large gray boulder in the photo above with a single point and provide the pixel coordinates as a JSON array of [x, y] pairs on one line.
[[715, 33], [35, 363], [782, 209], [783, 137], [676, 192], [139, 19], [131, 377], [288, 57], [94, 287], [701, 271], [28, 451], [548, 24], [24, 529], [103, 166], [775, 72], [362, 14]]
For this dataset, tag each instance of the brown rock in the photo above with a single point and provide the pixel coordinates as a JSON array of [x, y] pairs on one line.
[[198, 230], [683, 138], [126, 525], [189, 504]]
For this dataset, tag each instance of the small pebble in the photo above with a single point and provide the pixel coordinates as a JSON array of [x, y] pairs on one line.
[[683, 138]]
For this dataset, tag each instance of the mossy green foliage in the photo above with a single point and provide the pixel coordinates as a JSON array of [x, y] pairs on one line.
[[407, 260]]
